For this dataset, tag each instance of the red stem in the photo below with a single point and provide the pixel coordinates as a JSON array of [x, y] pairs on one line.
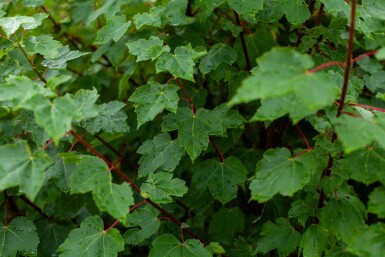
[[303, 151], [302, 135], [49, 142], [368, 107], [5, 212], [217, 150], [243, 42], [192, 106], [76, 141], [349, 53], [131, 210]]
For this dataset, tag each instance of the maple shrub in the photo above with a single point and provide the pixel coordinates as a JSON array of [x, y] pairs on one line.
[[192, 128]]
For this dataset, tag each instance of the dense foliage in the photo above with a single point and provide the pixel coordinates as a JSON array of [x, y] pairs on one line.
[[192, 128]]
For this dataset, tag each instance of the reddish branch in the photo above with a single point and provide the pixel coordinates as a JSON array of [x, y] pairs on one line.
[[219, 153], [243, 42], [133, 208], [302, 135], [349, 53]]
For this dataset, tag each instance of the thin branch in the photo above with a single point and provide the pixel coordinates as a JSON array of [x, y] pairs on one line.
[[243, 42], [349, 53], [302, 135], [131, 210], [192, 106], [34, 206], [5, 211], [219, 153], [368, 107], [325, 65], [30, 62]]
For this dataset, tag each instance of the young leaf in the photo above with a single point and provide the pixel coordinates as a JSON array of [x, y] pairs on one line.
[[108, 9], [286, 69], [147, 49], [152, 18], [153, 98], [222, 179], [111, 119], [193, 129], [43, 44], [142, 224], [278, 172], [218, 54], [246, 6], [168, 245], [160, 152], [281, 236], [92, 240], [160, 186], [115, 29], [180, 64], [85, 102], [225, 223], [60, 61], [314, 241], [343, 218], [19, 236], [21, 167], [349, 131], [370, 243], [11, 24], [376, 204]]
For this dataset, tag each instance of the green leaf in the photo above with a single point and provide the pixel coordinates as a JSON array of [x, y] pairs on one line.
[[159, 187], [193, 129], [152, 18], [147, 49], [56, 116], [370, 243], [342, 217], [180, 64], [85, 102], [142, 224], [153, 98], [376, 202], [11, 24], [314, 241], [246, 6], [349, 130], [19, 236], [51, 234], [91, 240], [168, 245], [225, 224], [286, 69], [43, 44], [108, 9], [222, 179], [19, 90], [160, 152], [116, 27], [281, 236], [226, 118], [296, 12], [92, 175], [363, 164], [111, 119], [278, 172], [19, 166], [218, 54], [114, 199], [60, 61]]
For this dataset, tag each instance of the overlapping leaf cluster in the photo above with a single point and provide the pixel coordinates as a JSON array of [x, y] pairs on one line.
[[192, 128]]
